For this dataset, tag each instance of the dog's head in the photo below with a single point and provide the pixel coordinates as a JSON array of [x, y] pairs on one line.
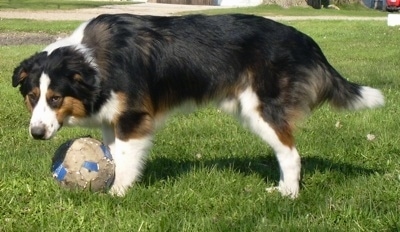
[[56, 87]]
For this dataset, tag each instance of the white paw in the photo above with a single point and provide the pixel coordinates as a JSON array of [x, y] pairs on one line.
[[117, 191], [272, 189], [291, 191]]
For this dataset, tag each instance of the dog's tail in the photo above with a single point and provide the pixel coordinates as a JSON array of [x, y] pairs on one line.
[[343, 94]]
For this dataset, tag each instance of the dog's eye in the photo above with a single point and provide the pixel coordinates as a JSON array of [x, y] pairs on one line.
[[32, 96], [55, 101], [32, 99]]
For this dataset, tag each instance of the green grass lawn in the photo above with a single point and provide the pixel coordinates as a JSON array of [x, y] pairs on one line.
[[28, 25], [206, 173]]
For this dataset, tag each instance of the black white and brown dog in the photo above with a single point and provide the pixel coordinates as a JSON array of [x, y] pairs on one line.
[[126, 73]]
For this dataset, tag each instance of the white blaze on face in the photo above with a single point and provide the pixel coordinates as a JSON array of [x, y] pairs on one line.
[[43, 124]]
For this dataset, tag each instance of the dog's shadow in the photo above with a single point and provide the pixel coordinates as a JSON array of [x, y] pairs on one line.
[[266, 166]]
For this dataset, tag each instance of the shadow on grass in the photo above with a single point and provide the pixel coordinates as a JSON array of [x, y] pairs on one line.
[[265, 166]]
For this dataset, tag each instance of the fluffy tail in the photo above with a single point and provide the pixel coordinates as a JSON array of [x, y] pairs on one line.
[[348, 95]]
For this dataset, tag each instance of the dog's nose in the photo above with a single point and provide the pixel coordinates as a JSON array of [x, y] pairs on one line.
[[38, 132]]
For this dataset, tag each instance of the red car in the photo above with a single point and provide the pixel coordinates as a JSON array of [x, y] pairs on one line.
[[392, 5]]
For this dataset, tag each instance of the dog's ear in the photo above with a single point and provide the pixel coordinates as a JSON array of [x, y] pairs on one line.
[[86, 76], [72, 63], [20, 73], [24, 69]]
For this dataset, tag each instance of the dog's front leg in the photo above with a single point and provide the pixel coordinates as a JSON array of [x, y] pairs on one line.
[[133, 139], [129, 157]]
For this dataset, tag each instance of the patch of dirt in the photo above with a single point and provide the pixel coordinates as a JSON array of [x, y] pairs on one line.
[[24, 38]]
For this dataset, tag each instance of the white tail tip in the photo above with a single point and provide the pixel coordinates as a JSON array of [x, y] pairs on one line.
[[370, 98]]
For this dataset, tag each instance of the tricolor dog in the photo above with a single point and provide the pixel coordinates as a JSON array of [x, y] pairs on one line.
[[125, 73]]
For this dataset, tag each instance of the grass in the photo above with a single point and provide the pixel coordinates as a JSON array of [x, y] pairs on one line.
[[206, 173], [27, 25]]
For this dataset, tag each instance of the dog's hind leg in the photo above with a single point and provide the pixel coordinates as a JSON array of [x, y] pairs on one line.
[[278, 136]]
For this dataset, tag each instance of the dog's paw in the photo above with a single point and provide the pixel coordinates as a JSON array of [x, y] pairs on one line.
[[117, 191], [286, 190]]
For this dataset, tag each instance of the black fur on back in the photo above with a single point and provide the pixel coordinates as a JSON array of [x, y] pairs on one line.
[[197, 57], [160, 62]]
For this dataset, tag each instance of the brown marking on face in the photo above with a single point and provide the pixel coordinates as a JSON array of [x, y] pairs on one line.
[[31, 98], [70, 106]]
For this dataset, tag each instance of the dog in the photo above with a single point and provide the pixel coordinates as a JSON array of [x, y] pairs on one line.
[[126, 73]]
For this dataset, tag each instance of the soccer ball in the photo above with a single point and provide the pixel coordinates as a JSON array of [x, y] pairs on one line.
[[83, 163]]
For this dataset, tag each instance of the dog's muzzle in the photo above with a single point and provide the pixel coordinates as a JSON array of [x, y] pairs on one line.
[[38, 132], [43, 131]]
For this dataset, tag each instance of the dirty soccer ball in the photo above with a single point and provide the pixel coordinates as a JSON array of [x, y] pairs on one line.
[[83, 163]]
